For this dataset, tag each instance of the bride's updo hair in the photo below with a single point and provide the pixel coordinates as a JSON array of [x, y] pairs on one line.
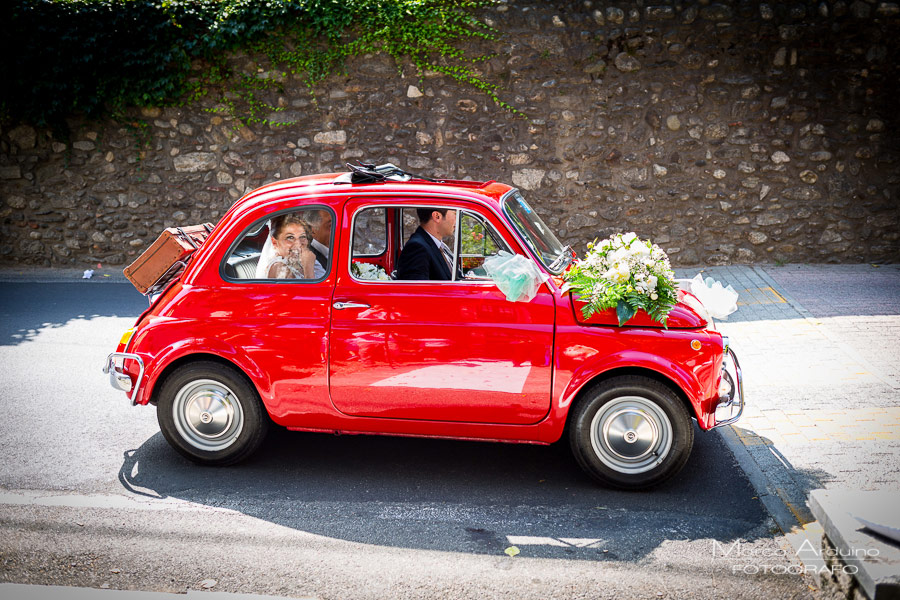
[[294, 218]]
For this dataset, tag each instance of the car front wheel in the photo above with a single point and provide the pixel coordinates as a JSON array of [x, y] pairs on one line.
[[631, 432], [210, 414]]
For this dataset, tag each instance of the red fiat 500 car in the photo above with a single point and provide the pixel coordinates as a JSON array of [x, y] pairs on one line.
[[291, 312]]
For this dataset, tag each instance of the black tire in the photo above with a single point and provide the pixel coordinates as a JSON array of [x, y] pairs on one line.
[[211, 414], [631, 433]]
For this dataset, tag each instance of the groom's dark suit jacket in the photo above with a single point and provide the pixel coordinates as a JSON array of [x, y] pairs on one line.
[[422, 259], [321, 258]]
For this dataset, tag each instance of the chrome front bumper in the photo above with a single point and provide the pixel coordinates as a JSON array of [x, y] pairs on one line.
[[731, 392], [118, 378]]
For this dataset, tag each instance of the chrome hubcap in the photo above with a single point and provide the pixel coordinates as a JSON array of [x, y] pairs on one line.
[[208, 415], [631, 434]]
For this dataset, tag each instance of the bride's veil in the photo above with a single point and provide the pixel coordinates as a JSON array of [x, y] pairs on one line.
[[267, 255]]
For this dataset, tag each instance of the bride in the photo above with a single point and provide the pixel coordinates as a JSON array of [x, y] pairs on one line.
[[286, 253]]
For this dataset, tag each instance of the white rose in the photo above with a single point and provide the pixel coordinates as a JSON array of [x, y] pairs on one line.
[[617, 274], [640, 250], [618, 255], [654, 295]]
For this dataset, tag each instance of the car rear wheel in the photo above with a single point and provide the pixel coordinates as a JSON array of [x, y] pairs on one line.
[[210, 414], [631, 432]]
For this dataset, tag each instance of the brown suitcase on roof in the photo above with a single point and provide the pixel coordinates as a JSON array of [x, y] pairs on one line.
[[175, 245]]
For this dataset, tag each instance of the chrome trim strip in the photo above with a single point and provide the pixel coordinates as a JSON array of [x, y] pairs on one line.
[[739, 382], [113, 371]]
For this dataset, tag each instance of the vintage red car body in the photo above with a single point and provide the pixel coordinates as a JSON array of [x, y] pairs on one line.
[[452, 359]]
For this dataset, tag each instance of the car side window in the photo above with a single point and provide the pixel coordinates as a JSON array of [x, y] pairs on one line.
[[370, 232], [420, 259], [369, 244], [371, 257], [291, 245], [478, 241]]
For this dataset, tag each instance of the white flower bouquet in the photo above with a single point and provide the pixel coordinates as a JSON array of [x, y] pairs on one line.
[[363, 270], [625, 273]]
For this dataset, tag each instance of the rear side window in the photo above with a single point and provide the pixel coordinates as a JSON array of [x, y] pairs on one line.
[[292, 245]]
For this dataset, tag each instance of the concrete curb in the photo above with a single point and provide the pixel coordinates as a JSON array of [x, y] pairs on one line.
[[784, 517]]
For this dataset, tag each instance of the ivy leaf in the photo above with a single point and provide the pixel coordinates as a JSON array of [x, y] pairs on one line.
[[624, 312]]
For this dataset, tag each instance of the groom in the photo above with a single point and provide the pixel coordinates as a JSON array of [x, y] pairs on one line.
[[425, 256]]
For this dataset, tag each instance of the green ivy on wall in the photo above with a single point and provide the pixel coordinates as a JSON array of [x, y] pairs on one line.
[[99, 57]]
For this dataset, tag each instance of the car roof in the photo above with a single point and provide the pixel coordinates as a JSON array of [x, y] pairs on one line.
[[332, 188]]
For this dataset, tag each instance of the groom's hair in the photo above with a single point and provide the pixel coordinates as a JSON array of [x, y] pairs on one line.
[[424, 214]]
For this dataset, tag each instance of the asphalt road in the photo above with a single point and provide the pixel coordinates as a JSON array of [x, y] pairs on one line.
[[91, 495]]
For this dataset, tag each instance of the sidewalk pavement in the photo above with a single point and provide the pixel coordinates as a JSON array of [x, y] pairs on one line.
[[818, 346]]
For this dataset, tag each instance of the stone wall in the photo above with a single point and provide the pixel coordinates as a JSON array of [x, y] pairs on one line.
[[728, 132]]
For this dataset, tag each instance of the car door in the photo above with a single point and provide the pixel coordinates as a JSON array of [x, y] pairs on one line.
[[438, 350]]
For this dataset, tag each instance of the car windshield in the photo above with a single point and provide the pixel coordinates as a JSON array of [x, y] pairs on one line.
[[536, 234]]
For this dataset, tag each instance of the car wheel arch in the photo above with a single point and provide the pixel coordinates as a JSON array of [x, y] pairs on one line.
[[599, 378], [184, 359]]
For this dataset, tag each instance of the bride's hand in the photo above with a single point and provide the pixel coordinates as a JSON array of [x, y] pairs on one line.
[[308, 261], [293, 258]]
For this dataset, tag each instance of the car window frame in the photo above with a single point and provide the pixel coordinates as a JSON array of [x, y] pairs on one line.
[[257, 223], [440, 202]]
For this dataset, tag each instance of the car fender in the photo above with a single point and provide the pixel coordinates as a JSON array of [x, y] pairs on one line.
[[197, 345], [588, 372]]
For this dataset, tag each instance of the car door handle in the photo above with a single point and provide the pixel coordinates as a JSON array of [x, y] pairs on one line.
[[343, 305]]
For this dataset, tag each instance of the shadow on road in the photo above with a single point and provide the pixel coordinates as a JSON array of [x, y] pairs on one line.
[[26, 309], [458, 496]]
